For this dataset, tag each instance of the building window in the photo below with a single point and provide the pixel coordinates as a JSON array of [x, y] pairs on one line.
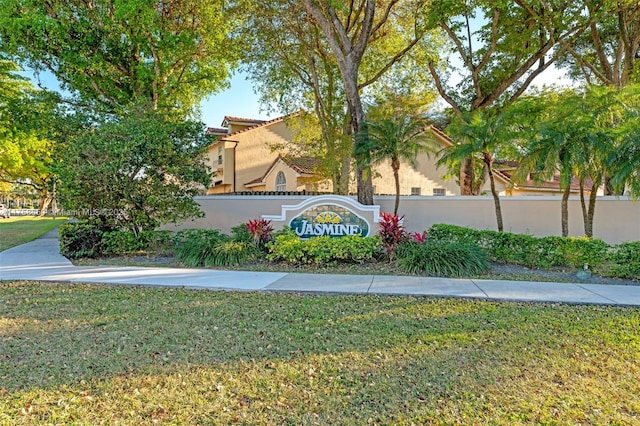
[[281, 182], [415, 191], [220, 155], [439, 191]]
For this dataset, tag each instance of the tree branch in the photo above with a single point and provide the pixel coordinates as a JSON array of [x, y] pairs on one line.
[[441, 91]]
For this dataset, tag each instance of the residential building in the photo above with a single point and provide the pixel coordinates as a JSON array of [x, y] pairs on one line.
[[251, 156]]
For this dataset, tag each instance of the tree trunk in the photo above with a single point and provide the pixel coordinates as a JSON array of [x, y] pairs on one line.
[[583, 206], [466, 177], [588, 228], [344, 175], [44, 204], [363, 172], [395, 165], [348, 53], [565, 210], [496, 197]]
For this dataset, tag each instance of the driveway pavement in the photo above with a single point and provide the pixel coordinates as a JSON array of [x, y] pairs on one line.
[[40, 260]]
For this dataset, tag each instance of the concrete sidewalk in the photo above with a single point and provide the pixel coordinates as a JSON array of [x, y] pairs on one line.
[[41, 260]]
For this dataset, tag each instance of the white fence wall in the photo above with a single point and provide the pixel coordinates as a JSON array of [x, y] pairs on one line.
[[617, 219]]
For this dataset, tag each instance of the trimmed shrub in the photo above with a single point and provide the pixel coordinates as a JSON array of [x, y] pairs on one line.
[[441, 259], [288, 247], [160, 241], [578, 252], [122, 242], [80, 239], [626, 256], [527, 250], [126, 242]]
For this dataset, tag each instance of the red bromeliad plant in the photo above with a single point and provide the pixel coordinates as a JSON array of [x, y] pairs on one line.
[[391, 232], [420, 238], [261, 230]]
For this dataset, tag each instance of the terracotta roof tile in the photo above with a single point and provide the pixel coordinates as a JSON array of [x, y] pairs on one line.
[[217, 131], [228, 118], [302, 165], [262, 124]]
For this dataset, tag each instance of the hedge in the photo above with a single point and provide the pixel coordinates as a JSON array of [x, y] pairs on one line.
[[527, 250]]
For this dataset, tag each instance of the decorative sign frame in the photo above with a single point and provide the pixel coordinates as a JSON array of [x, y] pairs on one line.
[[333, 215]]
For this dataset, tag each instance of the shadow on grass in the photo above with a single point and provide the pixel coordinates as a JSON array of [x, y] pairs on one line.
[[356, 355]]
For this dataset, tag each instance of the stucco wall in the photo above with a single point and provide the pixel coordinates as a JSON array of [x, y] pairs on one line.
[[616, 219], [290, 175], [253, 154], [425, 176]]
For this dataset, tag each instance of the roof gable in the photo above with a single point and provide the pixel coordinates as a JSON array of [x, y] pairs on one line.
[[303, 166]]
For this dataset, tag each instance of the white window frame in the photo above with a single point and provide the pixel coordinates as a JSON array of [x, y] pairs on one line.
[[281, 182]]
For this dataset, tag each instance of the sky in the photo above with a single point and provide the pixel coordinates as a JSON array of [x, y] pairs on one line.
[[238, 101]]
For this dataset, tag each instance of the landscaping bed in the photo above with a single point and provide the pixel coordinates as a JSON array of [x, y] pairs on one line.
[[443, 251]]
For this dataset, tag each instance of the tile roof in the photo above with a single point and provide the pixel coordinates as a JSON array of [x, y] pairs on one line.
[[230, 118], [260, 123], [217, 131], [301, 165]]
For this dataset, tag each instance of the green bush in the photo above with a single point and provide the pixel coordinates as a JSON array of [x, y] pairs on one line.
[[241, 233], [126, 242], [288, 247], [232, 252], [122, 242], [80, 239], [160, 241], [585, 251], [442, 259], [626, 257], [210, 247], [196, 247], [527, 250]]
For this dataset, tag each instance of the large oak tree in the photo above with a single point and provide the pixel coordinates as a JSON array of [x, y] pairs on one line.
[[349, 29], [499, 47], [169, 54]]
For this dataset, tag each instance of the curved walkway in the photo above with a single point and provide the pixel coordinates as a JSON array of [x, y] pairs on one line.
[[41, 260]]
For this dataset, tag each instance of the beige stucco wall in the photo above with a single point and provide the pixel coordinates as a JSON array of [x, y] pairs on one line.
[[289, 174], [425, 176], [253, 155], [616, 219]]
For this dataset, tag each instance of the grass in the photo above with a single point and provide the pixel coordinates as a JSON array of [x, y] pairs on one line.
[[93, 354], [19, 230]]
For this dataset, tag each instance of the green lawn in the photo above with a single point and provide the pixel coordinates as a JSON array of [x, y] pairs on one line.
[[93, 354], [22, 229]]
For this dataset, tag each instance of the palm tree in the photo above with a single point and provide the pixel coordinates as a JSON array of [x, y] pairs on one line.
[[624, 161], [555, 147], [583, 135], [398, 139], [478, 135]]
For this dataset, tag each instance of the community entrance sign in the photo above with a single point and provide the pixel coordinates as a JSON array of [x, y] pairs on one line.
[[332, 215]]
